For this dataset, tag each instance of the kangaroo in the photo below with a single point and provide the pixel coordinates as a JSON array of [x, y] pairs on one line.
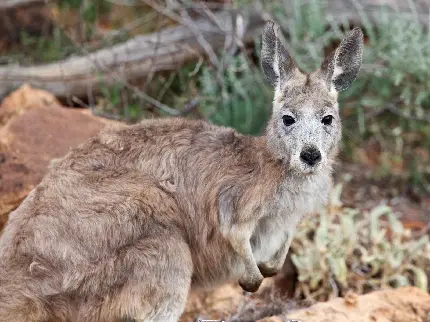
[[124, 225]]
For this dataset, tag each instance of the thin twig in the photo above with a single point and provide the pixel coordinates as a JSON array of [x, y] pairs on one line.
[[209, 13], [132, 25], [197, 67], [77, 100], [163, 107], [186, 20], [393, 109], [202, 41]]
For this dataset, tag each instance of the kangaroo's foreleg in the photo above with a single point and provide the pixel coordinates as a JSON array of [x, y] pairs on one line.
[[239, 238], [238, 233], [275, 263]]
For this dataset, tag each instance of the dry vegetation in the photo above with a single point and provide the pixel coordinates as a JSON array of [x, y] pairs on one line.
[[385, 113], [343, 249]]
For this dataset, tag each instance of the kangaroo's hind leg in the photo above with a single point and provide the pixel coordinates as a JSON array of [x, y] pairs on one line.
[[19, 298], [159, 270]]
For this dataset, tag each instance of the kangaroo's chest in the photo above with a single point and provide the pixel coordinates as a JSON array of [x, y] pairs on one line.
[[279, 218]]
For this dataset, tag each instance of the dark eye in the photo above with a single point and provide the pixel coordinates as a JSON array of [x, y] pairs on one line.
[[288, 120], [327, 120]]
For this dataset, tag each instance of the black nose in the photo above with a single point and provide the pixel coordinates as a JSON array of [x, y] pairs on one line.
[[310, 156]]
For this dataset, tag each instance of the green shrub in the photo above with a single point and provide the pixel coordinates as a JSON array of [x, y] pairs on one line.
[[238, 98]]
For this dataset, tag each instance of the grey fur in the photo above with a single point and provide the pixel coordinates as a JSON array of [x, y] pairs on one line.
[[276, 62], [347, 59], [127, 223]]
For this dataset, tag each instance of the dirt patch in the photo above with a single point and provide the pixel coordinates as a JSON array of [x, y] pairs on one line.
[[361, 190]]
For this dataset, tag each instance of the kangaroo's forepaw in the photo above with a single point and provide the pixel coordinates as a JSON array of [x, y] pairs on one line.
[[251, 284], [267, 270]]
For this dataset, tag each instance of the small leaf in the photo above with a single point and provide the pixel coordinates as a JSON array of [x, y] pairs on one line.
[[398, 281], [375, 214], [420, 277]]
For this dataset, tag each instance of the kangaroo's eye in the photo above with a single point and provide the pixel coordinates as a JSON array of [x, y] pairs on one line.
[[327, 120], [288, 120]]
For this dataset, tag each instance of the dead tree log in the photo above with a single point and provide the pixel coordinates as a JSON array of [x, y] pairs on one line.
[[137, 57], [171, 47]]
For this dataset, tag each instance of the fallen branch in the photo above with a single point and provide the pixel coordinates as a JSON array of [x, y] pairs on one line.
[[395, 110], [169, 48], [136, 58]]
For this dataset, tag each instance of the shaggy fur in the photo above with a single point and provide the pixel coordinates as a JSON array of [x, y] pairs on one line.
[[125, 224]]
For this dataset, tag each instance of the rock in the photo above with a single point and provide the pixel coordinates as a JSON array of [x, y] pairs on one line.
[[22, 100], [351, 298], [229, 303], [35, 128], [394, 305]]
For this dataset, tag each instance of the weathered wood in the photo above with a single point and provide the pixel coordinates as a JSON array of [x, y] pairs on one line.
[[173, 46], [137, 57]]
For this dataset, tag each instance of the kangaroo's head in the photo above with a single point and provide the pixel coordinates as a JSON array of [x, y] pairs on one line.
[[305, 127]]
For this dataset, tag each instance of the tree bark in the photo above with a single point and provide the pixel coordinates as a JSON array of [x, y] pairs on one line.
[[173, 46]]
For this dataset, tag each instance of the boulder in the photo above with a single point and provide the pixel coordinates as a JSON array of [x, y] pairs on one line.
[[35, 128], [230, 303], [393, 305]]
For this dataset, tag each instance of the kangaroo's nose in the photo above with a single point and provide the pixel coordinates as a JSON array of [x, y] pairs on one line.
[[310, 156]]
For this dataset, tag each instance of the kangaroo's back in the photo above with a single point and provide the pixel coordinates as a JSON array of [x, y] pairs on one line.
[[126, 223], [115, 196]]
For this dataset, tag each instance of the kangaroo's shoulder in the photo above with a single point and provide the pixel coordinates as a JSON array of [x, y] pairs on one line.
[[119, 145]]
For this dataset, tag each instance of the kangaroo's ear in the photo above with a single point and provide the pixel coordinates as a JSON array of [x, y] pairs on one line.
[[276, 62], [341, 68]]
